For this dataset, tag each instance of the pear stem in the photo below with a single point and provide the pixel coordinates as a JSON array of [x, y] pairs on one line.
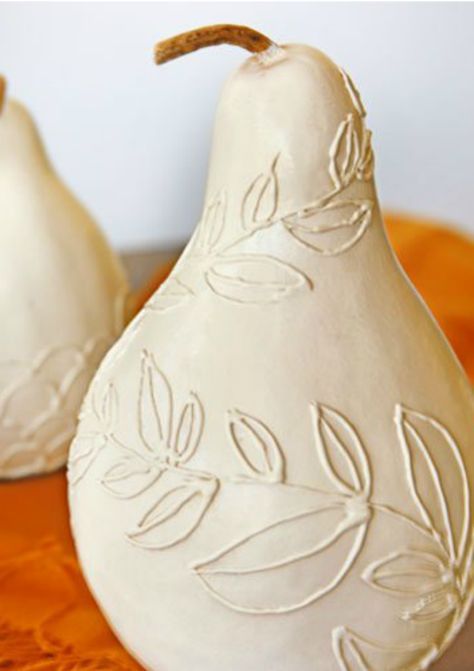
[[209, 36], [3, 88]]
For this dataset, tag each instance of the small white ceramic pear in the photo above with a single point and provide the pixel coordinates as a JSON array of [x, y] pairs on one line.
[[62, 300], [274, 465]]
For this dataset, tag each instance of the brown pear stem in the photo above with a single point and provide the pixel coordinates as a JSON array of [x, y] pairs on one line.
[[3, 89], [209, 36]]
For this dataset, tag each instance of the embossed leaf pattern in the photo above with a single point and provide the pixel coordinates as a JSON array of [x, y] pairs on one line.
[[353, 92], [18, 457], [407, 573], [253, 278], [84, 450], [357, 653], [344, 153], [88, 444], [155, 407], [260, 202], [212, 225], [257, 574], [183, 495], [107, 412], [170, 295], [256, 446], [130, 477], [433, 607], [176, 513], [189, 430], [341, 452], [347, 652], [431, 455], [365, 167], [333, 228]]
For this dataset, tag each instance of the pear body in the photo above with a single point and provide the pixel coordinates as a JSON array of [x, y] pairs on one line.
[[62, 300], [279, 474]]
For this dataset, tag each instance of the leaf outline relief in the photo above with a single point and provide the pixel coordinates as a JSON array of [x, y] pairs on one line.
[[254, 278], [39, 401], [349, 507], [317, 226], [167, 439], [438, 582]]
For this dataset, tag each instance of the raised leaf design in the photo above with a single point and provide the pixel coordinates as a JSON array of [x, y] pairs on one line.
[[357, 653], [107, 412], [341, 452], [39, 396], [84, 450], [189, 429], [331, 228], [88, 444], [212, 224], [257, 573], [252, 278], [433, 607], [130, 477], [407, 573], [256, 446], [344, 153], [176, 513], [353, 92], [59, 365], [260, 202], [431, 455], [365, 166], [155, 407], [347, 652], [170, 295]]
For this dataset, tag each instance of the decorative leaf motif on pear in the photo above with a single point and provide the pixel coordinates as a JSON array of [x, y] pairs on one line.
[[166, 441], [252, 278], [254, 574], [434, 583], [176, 514], [172, 293], [337, 442], [260, 201], [353, 93], [332, 224], [331, 228], [441, 576], [344, 153], [422, 467], [357, 653], [256, 447], [88, 444], [315, 535], [211, 226], [38, 405]]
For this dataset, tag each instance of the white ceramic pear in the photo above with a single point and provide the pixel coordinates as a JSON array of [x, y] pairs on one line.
[[62, 300], [279, 448]]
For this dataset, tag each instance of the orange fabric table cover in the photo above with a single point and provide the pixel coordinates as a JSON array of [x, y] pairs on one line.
[[48, 619]]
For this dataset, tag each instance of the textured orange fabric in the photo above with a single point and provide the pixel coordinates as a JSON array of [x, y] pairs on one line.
[[48, 620]]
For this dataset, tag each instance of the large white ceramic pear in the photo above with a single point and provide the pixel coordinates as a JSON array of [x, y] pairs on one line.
[[279, 448], [62, 298]]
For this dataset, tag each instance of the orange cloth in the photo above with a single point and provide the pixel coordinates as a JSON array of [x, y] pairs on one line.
[[48, 620]]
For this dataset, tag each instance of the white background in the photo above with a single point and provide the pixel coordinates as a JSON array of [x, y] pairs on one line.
[[132, 140]]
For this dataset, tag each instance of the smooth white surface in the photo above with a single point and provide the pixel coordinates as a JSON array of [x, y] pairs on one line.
[[132, 140]]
